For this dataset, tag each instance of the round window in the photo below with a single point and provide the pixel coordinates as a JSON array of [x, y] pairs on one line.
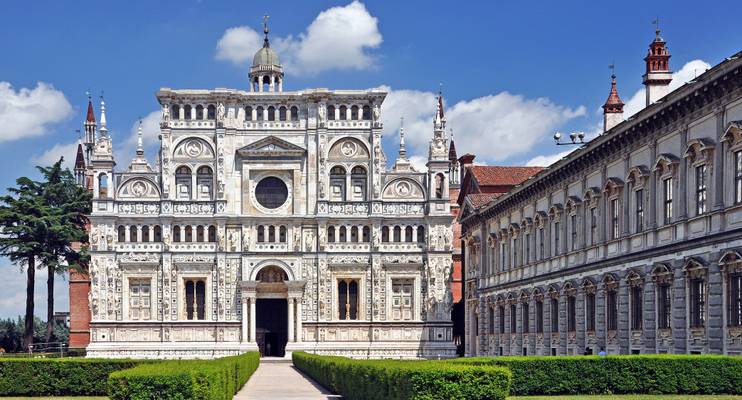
[[271, 192]]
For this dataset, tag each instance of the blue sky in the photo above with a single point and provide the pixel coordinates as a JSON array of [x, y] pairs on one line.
[[512, 72]]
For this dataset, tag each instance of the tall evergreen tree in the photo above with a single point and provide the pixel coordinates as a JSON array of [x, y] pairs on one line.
[[25, 222], [69, 203]]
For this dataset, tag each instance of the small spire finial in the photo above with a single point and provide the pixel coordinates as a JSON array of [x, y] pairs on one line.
[[266, 43], [79, 135], [90, 96], [656, 23], [612, 67], [402, 150], [140, 147], [103, 121]]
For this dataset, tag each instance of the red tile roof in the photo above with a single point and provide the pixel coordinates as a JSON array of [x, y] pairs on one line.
[[493, 175], [479, 199]]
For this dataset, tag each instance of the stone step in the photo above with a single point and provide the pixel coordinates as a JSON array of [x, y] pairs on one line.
[[275, 360]]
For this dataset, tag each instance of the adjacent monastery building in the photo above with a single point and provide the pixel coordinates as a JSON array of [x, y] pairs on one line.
[[632, 243], [270, 222]]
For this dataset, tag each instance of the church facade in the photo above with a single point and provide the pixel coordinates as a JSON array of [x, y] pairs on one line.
[[271, 222]]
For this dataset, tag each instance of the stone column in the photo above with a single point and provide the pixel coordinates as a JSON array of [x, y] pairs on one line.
[[253, 320], [245, 337], [679, 323], [151, 232], [299, 332], [715, 320], [291, 319], [127, 234]]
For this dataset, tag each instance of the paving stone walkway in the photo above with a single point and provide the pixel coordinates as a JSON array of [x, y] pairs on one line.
[[281, 381]]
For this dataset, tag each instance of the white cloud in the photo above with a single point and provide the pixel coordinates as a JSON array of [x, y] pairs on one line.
[[29, 112], [338, 38], [49, 157], [546, 160], [494, 127], [13, 300], [690, 71], [418, 162]]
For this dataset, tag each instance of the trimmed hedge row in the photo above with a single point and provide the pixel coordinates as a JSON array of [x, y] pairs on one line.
[[57, 376], [641, 374], [184, 379], [393, 379]]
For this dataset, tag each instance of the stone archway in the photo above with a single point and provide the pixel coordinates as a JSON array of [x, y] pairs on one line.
[[271, 321]]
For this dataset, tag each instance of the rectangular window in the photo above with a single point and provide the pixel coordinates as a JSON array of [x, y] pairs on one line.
[[402, 290], [738, 177], [524, 317], [348, 299], [594, 225], [539, 316], [571, 313], [667, 200], [614, 219], [735, 299], [503, 257], [195, 298], [636, 308], [573, 228], [527, 248], [554, 310], [140, 296], [513, 319], [501, 312], [556, 239], [611, 301], [590, 311], [639, 217], [491, 315], [664, 306], [700, 189], [697, 303], [514, 252]]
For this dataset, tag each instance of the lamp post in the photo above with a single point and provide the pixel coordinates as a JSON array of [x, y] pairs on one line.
[[577, 138]]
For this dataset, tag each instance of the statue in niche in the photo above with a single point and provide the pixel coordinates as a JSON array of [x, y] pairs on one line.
[[246, 238], [297, 239], [220, 112], [234, 240]]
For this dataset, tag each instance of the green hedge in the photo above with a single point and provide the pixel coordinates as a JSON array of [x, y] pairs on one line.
[[393, 379], [640, 374], [184, 379], [57, 376]]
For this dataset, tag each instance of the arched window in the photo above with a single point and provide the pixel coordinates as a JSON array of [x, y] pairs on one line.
[[282, 113], [354, 113], [145, 233], [343, 234], [358, 182], [183, 183], [266, 83], [366, 234], [354, 234], [261, 233], [199, 112], [337, 183], [211, 112], [343, 113], [331, 234], [121, 234], [175, 111], [294, 113], [259, 112], [282, 234], [134, 234], [408, 234], [176, 234], [366, 113], [421, 234], [271, 113], [439, 180], [271, 233], [200, 234], [158, 233], [212, 234], [331, 113], [188, 234], [397, 234], [348, 299], [385, 234], [248, 113], [187, 112], [205, 181], [103, 186]]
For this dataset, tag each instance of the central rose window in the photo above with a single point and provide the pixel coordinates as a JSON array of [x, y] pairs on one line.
[[271, 192]]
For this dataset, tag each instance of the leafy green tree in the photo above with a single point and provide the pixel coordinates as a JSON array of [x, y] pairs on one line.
[[25, 222], [69, 204]]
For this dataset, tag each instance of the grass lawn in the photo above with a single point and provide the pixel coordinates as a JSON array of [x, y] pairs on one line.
[[628, 397]]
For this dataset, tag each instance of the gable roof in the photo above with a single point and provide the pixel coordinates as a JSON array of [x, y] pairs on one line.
[[271, 146], [494, 175]]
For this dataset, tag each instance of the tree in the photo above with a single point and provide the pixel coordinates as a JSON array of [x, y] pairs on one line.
[[69, 203], [25, 222]]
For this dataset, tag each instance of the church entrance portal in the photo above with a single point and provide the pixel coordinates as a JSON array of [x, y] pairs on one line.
[[272, 327]]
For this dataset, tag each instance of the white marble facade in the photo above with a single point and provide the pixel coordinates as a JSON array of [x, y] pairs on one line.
[[266, 194]]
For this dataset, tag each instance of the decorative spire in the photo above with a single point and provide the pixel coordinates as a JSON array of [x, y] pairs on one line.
[[452, 149], [91, 114], [439, 122], [103, 128], [140, 147], [266, 43], [613, 104], [402, 150], [658, 75]]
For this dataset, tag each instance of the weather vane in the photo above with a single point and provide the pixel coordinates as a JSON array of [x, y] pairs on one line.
[[656, 23], [612, 67]]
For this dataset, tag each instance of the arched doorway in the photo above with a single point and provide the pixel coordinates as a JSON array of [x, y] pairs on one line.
[[271, 312]]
